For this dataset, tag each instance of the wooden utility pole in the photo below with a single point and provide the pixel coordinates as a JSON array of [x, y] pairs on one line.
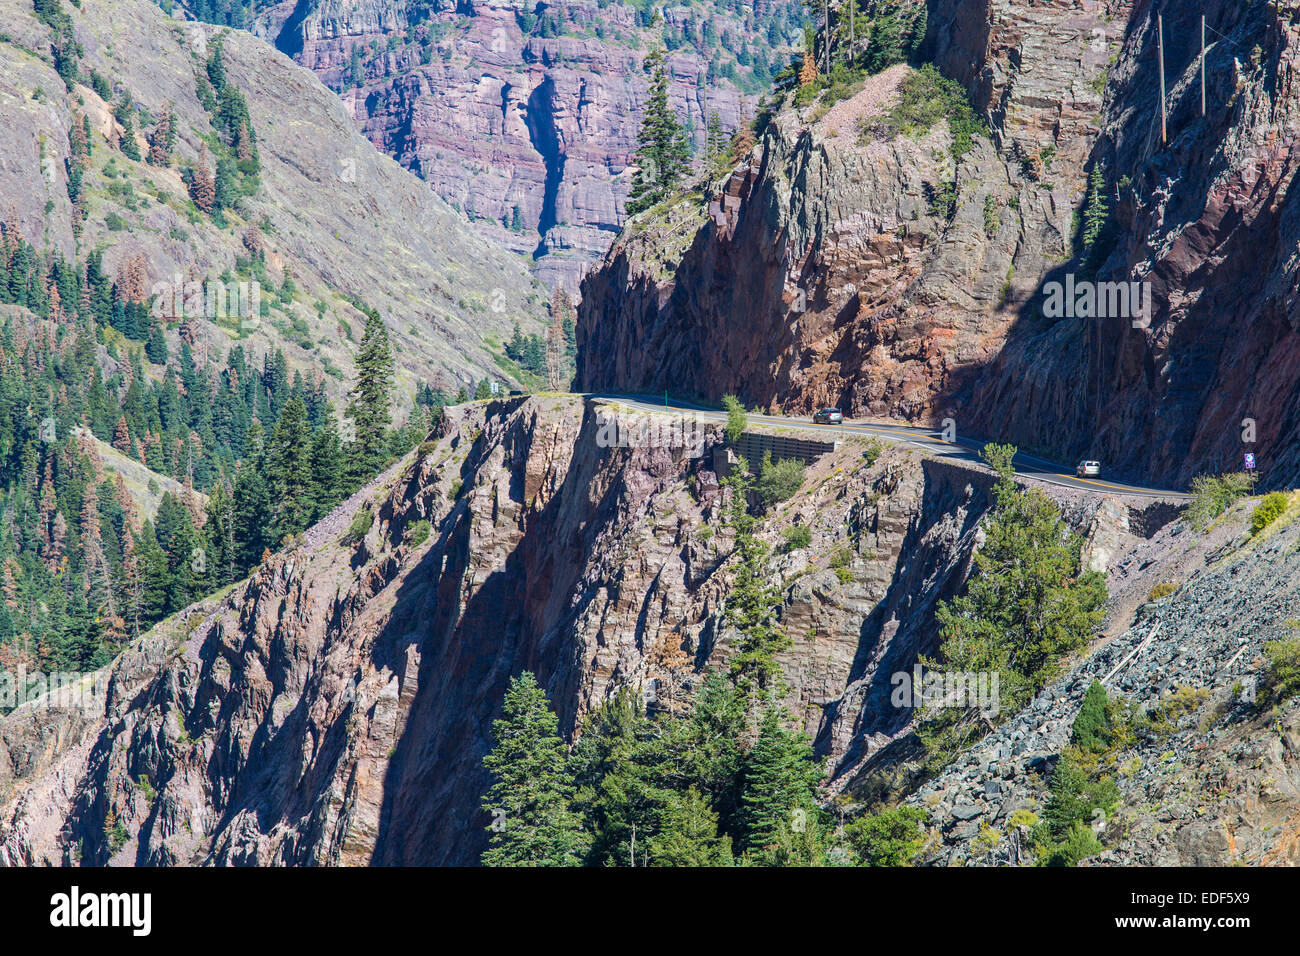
[[1202, 64], [826, 32], [1164, 127]]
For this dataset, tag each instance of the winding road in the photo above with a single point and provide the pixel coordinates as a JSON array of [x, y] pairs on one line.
[[931, 441]]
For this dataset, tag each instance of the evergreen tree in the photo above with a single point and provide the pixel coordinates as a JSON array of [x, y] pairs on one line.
[[219, 535], [1092, 727], [688, 834], [369, 405], [715, 142], [663, 152], [289, 472], [203, 185], [778, 794], [1029, 600], [615, 767], [252, 519], [753, 603], [1096, 210], [155, 576], [533, 822], [327, 473], [891, 837]]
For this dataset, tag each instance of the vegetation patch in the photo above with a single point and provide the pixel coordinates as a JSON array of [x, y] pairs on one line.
[[1213, 495], [927, 97], [1272, 507]]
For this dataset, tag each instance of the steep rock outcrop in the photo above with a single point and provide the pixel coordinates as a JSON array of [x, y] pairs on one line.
[[819, 273], [335, 707]]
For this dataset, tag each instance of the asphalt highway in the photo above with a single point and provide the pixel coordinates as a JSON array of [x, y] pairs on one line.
[[931, 441]]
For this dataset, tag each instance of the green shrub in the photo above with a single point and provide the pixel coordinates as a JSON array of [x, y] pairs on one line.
[[418, 533], [1282, 673], [1212, 496], [114, 222], [797, 537], [1269, 510], [737, 421], [874, 449], [1079, 844], [891, 837], [360, 525], [925, 98], [1162, 590], [1092, 727], [992, 216], [779, 481]]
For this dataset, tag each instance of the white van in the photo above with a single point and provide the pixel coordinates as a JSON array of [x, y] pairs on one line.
[[1088, 469]]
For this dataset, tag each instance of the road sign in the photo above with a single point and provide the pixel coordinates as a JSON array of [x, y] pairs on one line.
[[495, 387], [1250, 461]]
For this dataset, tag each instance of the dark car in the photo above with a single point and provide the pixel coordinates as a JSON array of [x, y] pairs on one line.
[[828, 416]]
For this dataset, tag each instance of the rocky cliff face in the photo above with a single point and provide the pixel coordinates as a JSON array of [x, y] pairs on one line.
[[344, 222], [822, 271], [335, 707], [524, 116]]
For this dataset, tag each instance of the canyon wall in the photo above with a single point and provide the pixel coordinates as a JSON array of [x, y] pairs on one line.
[[335, 707], [528, 126], [345, 223], [824, 271]]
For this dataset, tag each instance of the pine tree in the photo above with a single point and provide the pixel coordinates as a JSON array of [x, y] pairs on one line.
[[154, 576], [778, 792], [808, 72], [688, 834], [715, 141], [252, 519], [1028, 600], [1091, 730], [369, 405], [617, 768], [1097, 210], [663, 152], [161, 141], [289, 471], [753, 603], [556, 366], [327, 472], [219, 535], [530, 802]]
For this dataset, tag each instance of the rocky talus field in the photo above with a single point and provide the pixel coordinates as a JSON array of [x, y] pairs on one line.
[[335, 707]]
